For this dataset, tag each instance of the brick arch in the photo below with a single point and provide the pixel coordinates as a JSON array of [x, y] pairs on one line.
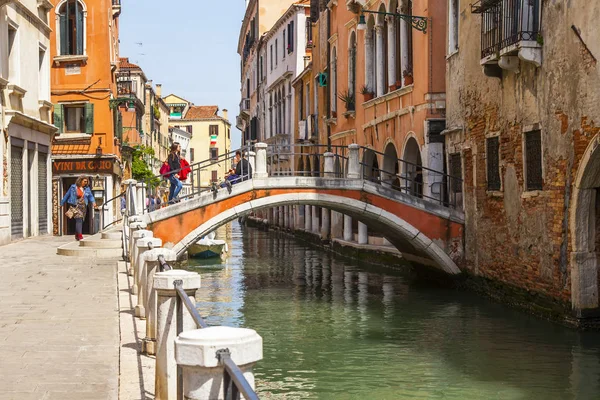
[[413, 229]]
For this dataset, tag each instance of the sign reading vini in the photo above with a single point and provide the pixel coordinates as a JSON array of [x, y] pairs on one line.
[[82, 166]]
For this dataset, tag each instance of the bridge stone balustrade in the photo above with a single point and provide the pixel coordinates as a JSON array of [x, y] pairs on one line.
[[133, 227], [144, 245]]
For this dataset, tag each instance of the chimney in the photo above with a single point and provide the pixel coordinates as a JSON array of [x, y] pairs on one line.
[[225, 114], [159, 90]]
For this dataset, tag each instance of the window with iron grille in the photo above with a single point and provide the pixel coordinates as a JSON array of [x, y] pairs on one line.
[[455, 173], [493, 163], [533, 160]]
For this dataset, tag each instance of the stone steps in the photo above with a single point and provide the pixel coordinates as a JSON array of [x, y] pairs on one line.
[[94, 247], [112, 235]]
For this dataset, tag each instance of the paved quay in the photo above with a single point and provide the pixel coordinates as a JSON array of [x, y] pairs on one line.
[[59, 324]]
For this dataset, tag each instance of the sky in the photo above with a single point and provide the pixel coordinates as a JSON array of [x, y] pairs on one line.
[[190, 46]]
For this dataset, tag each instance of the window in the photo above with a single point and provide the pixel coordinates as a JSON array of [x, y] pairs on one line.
[[214, 176], [334, 92], [455, 172], [189, 128], [13, 54], [307, 99], [291, 36], [452, 26], [352, 69], [301, 103], [74, 118], [276, 53], [271, 57], [214, 153], [493, 163], [43, 67], [309, 38], [213, 130], [261, 70], [533, 160], [71, 28], [283, 44], [191, 155], [228, 133]]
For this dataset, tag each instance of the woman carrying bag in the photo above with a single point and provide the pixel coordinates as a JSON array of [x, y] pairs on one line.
[[78, 197]]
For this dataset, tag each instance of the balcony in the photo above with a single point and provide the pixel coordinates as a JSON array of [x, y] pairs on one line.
[[509, 29], [245, 106]]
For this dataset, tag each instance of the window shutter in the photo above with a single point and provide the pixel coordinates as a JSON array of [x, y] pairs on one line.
[[79, 28], [59, 117], [291, 37], [89, 118], [64, 46]]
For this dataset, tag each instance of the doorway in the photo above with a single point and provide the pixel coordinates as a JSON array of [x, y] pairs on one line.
[[69, 224]]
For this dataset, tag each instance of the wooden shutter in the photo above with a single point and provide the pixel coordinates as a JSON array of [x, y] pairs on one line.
[[192, 155], [64, 32], [59, 119], [79, 27], [214, 176], [89, 118]]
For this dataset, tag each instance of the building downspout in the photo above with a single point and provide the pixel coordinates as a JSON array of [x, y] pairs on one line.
[[327, 88]]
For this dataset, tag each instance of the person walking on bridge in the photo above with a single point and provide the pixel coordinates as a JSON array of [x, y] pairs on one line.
[[243, 168], [174, 165], [78, 197]]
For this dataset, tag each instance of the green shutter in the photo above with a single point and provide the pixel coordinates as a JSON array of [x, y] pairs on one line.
[[89, 118], [59, 117], [79, 28], [64, 31]]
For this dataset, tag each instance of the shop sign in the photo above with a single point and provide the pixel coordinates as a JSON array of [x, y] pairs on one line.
[[82, 166]]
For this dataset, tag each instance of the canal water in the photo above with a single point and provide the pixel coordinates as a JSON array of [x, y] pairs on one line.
[[334, 328]]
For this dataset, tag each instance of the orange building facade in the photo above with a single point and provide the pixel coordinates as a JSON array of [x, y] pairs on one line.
[[84, 51]]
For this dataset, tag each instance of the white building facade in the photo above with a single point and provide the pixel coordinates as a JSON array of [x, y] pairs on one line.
[[26, 190]]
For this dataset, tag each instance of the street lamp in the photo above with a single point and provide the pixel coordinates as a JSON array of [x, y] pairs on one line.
[[418, 23]]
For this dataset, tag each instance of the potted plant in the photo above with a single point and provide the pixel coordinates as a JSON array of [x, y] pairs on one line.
[[348, 99], [367, 93], [408, 77]]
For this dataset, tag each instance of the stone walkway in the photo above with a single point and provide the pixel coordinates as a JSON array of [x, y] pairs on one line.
[[59, 324]]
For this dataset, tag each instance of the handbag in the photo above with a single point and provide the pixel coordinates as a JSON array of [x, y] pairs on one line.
[[70, 212]]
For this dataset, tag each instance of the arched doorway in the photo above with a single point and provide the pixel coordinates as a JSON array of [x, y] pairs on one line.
[[585, 232], [391, 167], [370, 166], [412, 168]]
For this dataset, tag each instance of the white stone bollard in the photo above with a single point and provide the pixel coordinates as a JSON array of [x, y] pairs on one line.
[[252, 161], [196, 350], [133, 227], [134, 266], [261, 161], [166, 366], [151, 268], [131, 194], [144, 245], [140, 197], [308, 218], [348, 233], [363, 234]]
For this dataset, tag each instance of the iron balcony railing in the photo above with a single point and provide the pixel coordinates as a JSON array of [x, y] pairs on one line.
[[234, 381], [506, 22]]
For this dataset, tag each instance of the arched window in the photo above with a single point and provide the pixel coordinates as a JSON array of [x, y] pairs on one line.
[[71, 27], [382, 50], [334, 80], [352, 66], [370, 57]]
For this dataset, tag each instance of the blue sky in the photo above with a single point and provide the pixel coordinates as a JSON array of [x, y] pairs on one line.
[[190, 46]]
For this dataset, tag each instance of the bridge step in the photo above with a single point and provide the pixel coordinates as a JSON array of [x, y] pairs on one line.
[[112, 235], [101, 244], [74, 250]]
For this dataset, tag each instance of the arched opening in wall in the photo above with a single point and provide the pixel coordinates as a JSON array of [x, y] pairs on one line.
[[307, 167], [393, 47], [585, 231], [383, 42], [391, 167], [371, 166], [412, 169], [371, 57], [316, 171]]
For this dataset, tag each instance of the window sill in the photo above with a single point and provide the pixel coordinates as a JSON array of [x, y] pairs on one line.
[[451, 54], [45, 104], [331, 121], [389, 96], [532, 193], [72, 136], [3, 82], [70, 59], [494, 193], [45, 4], [349, 114]]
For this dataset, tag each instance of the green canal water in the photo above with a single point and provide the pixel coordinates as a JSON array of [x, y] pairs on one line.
[[337, 329]]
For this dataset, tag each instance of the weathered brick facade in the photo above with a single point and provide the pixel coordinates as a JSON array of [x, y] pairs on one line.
[[524, 239]]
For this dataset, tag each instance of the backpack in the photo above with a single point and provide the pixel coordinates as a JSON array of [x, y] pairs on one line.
[[185, 169], [165, 169]]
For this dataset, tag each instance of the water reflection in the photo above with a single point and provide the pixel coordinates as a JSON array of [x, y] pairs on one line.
[[335, 329]]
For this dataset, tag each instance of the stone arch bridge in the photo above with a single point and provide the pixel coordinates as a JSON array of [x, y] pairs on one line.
[[421, 229]]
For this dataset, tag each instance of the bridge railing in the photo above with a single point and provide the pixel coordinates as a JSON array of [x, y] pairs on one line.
[[305, 160]]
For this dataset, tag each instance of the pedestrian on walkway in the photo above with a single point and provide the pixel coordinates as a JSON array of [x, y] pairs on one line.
[[174, 165], [77, 198]]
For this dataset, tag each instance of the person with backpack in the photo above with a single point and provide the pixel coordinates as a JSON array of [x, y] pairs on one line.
[[174, 165], [243, 168]]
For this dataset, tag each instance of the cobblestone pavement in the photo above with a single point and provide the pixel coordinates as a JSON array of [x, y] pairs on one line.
[[59, 324]]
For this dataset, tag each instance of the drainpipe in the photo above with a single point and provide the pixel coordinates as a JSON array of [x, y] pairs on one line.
[[328, 89]]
